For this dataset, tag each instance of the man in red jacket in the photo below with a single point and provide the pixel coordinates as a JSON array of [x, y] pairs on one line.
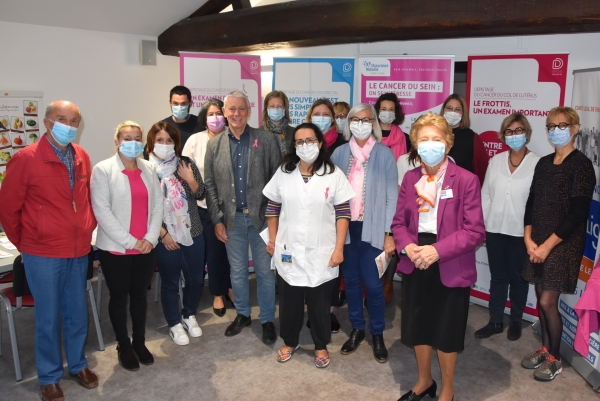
[[47, 215]]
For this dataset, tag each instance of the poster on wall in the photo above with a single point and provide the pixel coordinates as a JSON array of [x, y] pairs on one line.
[[498, 86], [19, 124], [211, 76], [305, 80], [421, 83], [586, 86]]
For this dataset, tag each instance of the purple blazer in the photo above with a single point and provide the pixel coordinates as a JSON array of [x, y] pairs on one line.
[[460, 227]]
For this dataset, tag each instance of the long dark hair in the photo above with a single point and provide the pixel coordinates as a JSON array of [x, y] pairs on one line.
[[291, 159]]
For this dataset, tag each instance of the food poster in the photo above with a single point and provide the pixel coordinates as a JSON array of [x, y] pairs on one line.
[[19, 125]]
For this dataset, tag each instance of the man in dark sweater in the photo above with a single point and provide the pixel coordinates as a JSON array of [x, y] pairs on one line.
[[180, 100]]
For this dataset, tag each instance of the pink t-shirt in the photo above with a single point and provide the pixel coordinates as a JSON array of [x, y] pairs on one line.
[[138, 226]]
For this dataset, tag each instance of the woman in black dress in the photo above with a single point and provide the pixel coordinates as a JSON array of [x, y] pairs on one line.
[[555, 218]]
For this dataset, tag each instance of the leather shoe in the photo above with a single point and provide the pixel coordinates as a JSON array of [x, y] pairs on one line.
[[143, 354], [86, 378], [489, 330], [127, 357], [357, 337], [238, 324], [379, 351], [52, 392], [219, 311], [412, 396], [388, 290], [514, 331], [269, 335]]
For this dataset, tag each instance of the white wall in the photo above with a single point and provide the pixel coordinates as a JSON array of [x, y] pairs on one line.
[[100, 71]]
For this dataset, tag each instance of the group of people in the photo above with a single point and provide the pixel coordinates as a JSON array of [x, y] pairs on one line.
[[318, 201]]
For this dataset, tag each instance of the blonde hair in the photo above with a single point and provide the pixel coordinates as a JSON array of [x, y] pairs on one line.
[[286, 106], [570, 113], [126, 124], [431, 120]]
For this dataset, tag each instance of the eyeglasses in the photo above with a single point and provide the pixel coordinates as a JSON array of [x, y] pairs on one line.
[[456, 109], [365, 120], [341, 115], [309, 141], [551, 127], [516, 131]]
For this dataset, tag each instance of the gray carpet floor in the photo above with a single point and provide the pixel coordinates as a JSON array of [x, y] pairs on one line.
[[215, 367]]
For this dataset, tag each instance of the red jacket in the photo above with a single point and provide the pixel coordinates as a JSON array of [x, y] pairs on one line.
[[38, 210]]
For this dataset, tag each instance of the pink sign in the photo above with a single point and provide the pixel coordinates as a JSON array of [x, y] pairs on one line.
[[211, 76], [421, 83]]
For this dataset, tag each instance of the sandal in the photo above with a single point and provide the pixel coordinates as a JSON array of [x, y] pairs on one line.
[[284, 355], [322, 361]]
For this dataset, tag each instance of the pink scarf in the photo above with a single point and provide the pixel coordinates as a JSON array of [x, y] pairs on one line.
[[330, 136], [357, 174], [427, 187], [396, 141]]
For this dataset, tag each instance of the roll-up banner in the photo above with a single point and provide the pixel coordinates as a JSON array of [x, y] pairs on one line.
[[498, 86], [305, 80], [215, 75], [586, 101], [422, 83]]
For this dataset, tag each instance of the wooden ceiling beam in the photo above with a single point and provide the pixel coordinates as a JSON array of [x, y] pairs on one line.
[[325, 22]]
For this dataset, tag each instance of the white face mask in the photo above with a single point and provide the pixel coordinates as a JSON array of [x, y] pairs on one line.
[[361, 130], [387, 117], [452, 117], [308, 153], [163, 152]]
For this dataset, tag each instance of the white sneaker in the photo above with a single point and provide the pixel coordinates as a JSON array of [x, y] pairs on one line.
[[178, 335], [191, 325]]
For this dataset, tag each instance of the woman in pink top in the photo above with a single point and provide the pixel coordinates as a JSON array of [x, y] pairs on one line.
[[126, 199]]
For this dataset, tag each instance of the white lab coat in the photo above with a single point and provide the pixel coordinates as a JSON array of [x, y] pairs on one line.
[[307, 224]]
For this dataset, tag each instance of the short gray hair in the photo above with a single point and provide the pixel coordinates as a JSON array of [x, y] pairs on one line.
[[357, 109], [238, 94]]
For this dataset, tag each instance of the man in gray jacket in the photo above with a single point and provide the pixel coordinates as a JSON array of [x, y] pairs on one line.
[[237, 166]]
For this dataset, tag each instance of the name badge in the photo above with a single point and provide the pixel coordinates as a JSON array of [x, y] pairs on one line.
[[446, 194], [286, 258]]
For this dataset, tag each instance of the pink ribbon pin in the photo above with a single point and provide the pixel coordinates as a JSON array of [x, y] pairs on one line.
[[326, 192], [256, 143]]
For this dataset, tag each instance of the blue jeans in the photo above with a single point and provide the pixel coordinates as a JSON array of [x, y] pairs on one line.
[[359, 268], [245, 233], [507, 256], [190, 261], [58, 287]]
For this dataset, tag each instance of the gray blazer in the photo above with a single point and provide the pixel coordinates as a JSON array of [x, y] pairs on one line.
[[263, 160], [111, 201]]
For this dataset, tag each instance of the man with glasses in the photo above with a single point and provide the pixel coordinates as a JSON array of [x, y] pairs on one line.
[[238, 164]]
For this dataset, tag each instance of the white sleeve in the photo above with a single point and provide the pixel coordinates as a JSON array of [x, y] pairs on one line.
[[343, 191], [272, 189]]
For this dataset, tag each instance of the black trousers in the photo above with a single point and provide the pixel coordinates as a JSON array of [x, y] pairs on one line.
[[215, 257], [128, 275], [291, 312]]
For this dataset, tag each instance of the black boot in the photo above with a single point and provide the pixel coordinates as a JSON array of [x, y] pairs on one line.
[[357, 337], [379, 351], [489, 330], [127, 358], [143, 355]]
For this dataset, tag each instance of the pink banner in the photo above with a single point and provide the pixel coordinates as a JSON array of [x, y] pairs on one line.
[[421, 83]]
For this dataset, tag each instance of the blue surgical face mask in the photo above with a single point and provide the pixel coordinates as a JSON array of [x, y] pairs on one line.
[[63, 134], [432, 152], [341, 123], [180, 112], [560, 137], [130, 149], [276, 114], [515, 142], [323, 122]]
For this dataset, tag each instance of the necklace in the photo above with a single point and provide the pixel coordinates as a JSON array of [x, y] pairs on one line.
[[510, 158]]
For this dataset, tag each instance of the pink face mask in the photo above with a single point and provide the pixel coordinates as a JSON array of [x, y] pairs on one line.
[[215, 123]]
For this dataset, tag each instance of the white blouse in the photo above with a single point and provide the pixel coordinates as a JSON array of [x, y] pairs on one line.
[[504, 195], [428, 220], [404, 166], [195, 149]]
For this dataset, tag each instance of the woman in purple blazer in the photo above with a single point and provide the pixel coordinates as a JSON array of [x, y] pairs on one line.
[[438, 224]]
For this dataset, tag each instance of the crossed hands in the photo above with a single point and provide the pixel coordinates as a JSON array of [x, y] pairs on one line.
[[537, 254], [143, 246], [422, 256]]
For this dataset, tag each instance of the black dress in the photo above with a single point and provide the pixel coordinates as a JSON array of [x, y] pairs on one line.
[[558, 203]]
